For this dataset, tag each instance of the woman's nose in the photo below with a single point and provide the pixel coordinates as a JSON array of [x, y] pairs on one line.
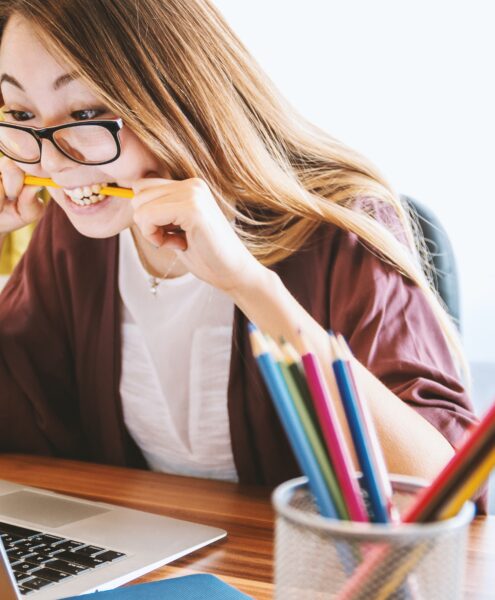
[[52, 160]]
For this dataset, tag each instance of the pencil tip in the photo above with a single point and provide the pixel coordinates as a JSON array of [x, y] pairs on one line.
[[334, 347], [251, 327]]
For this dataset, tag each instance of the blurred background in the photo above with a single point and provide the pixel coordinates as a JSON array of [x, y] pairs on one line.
[[412, 86]]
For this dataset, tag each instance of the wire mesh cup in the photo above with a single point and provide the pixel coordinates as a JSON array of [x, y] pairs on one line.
[[320, 558]]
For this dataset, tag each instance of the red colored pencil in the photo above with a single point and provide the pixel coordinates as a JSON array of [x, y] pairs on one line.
[[429, 502], [431, 499]]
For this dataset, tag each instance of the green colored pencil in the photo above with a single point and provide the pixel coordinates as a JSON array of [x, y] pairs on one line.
[[313, 438]]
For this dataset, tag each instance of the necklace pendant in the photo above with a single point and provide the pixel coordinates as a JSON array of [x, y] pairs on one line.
[[154, 283]]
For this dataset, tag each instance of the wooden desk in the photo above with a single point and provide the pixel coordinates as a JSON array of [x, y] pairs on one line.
[[245, 558]]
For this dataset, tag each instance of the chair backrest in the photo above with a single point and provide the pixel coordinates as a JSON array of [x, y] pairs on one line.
[[445, 270]]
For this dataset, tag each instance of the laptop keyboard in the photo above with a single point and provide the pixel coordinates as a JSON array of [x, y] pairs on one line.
[[40, 559]]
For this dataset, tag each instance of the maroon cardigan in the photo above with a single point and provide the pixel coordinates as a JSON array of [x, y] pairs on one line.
[[60, 349]]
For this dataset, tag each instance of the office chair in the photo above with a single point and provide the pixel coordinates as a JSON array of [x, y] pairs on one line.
[[437, 241]]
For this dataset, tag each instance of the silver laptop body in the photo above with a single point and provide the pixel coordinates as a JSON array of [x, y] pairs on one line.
[[141, 541]]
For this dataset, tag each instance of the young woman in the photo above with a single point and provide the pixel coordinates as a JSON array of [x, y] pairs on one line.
[[123, 330]]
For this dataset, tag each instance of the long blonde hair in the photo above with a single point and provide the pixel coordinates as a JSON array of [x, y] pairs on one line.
[[185, 84]]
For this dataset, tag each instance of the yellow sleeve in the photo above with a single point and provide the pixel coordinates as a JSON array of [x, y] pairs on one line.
[[14, 247], [16, 243]]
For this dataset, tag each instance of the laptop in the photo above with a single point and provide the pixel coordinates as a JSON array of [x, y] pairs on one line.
[[54, 546]]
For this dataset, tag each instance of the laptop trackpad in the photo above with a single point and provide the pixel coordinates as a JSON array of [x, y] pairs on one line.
[[48, 511]]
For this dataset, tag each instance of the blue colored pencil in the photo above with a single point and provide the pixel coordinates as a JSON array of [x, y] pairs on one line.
[[377, 453], [291, 423], [359, 436]]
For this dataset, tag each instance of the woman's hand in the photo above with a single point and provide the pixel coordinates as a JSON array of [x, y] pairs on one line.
[[19, 204], [208, 245]]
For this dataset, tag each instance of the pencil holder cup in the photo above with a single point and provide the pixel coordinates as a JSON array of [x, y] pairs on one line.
[[318, 558]]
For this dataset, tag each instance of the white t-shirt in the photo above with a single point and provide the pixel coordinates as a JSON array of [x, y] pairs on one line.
[[176, 349]]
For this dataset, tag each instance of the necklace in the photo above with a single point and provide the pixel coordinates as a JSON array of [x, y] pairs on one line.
[[155, 281]]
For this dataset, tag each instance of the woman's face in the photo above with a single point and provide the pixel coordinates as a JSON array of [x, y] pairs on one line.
[[35, 90]]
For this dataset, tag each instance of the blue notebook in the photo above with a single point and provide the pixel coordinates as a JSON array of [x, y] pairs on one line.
[[190, 587]]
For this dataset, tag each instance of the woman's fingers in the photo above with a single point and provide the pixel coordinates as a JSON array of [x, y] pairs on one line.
[[19, 204], [158, 216], [12, 178], [172, 240], [161, 221], [148, 183], [29, 205]]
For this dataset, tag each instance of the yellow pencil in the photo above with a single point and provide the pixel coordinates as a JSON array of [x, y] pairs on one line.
[[106, 191], [473, 482]]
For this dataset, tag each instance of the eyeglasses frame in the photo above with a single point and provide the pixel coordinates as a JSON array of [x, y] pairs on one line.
[[47, 133]]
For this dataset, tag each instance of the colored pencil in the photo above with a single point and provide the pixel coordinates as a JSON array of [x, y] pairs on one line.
[[467, 490], [359, 436], [334, 438], [431, 500], [106, 191], [291, 423], [379, 459], [451, 488], [294, 362], [315, 443]]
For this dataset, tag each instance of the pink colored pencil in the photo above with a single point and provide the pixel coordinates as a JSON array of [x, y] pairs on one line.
[[334, 438]]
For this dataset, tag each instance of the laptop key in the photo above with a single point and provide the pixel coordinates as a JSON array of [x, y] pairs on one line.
[[51, 574], [66, 567], [13, 553], [10, 538], [9, 546], [27, 547], [20, 577], [22, 531], [24, 591], [36, 583], [49, 540], [109, 555], [66, 545], [24, 567], [33, 542], [89, 550], [85, 561], [38, 559]]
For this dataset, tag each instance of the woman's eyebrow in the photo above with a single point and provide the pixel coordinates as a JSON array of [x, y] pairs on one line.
[[57, 84]]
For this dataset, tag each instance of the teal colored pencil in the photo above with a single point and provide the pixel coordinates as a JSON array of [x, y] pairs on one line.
[[291, 422]]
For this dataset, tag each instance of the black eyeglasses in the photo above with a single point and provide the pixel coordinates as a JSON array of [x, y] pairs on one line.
[[85, 142]]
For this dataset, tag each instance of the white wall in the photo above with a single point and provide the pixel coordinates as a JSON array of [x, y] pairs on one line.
[[409, 84]]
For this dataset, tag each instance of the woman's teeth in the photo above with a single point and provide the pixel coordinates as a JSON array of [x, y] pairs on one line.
[[89, 194]]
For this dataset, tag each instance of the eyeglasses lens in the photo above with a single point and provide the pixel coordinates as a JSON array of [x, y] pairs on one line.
[[18, 144], [88, 143]]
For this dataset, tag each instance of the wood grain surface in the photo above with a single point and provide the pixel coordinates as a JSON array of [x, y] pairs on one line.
[[245, 558]]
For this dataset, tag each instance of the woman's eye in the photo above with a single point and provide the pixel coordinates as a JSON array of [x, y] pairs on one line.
[[87, 114], [19, 115]]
